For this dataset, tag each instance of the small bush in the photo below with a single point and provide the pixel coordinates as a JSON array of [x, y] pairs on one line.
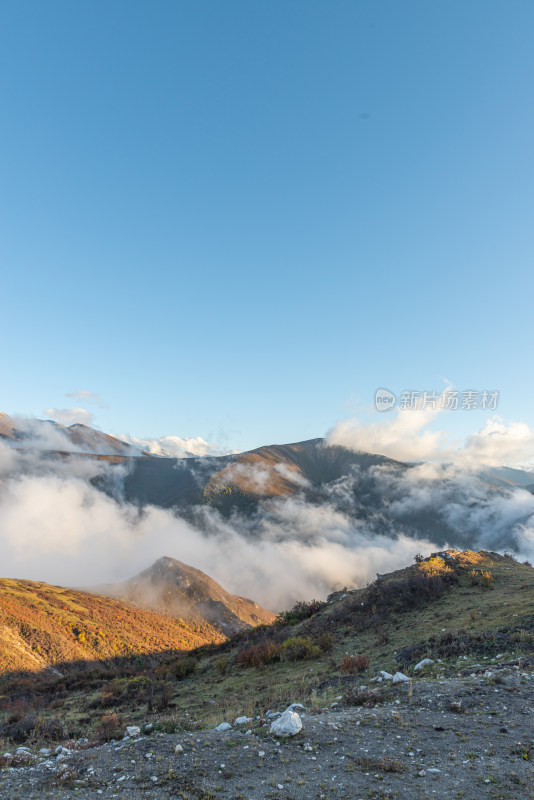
[[48, 728], [221, 665], [258, 655], [325, 641], [435, 566], [184, 667], [486, 579], [301, 610], [482, 578], [20, 730], [298, 648], [109, 727], [418, 558], [368, 698], [352, 664], [163, 694]]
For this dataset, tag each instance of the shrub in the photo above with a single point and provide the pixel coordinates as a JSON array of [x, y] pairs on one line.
[[163, 693], [298, 648], [301, 610], [48, 728], [221, 665], [258, 655], [418, 558], [20, 730], [352, 664], [368, 698], [109, 727], [184, 667], [486, 579], [325, 641], [482, 578], [435, 566]]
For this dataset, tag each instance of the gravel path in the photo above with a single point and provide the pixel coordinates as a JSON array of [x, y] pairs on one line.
[[469, 737]]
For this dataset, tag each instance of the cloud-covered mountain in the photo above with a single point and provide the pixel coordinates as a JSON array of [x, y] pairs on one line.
[[279, 523], [49, 435]]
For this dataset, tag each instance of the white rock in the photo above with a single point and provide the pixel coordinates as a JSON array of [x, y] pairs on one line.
[[400, 677], [288, 724], [224, 726], [44, 751], [424, 663], [133, 730], [242, 720], [387, 676], [433, 770], [178, 748]]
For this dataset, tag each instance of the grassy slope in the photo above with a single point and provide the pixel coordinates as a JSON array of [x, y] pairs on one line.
[[42, 624], [509, 604], [222, 689]]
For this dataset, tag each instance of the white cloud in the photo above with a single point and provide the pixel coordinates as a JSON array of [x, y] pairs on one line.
[[406, 436], [176, 446]]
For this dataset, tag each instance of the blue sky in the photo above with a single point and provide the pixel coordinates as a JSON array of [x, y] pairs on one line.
[[237, 220]]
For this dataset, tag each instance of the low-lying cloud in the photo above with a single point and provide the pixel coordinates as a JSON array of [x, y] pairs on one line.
[[57, 526]]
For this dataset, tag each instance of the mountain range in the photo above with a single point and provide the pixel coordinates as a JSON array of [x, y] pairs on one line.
[[389, 497]]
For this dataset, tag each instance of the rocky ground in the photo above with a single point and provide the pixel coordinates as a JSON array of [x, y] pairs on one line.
[[469, 737]]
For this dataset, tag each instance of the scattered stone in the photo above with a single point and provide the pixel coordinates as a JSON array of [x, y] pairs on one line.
[[400, 677], [224, 726], [424, 663], [288, 724], [133, 730], [242, 720]]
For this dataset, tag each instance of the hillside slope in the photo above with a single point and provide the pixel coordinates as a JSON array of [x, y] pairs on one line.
[[182, 591], [43, 625]]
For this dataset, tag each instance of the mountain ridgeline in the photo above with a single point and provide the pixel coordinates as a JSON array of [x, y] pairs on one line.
[[371, 491]]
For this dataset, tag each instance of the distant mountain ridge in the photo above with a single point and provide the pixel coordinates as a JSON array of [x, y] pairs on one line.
[[51, 435], [376, 493]]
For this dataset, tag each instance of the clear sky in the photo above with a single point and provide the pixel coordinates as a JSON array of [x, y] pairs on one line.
[[238, 219]]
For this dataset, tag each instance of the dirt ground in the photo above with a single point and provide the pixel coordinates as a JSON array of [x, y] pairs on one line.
[[469, 737]]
